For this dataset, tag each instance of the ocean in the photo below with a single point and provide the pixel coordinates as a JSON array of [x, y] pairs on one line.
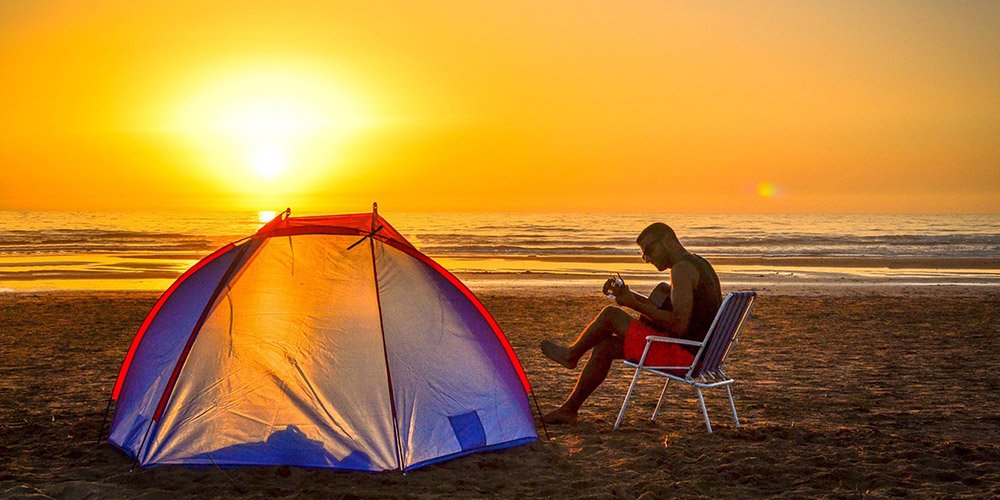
[[146, 251]]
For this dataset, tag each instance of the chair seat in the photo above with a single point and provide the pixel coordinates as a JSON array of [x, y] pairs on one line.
[[675, 370], [673, 374]]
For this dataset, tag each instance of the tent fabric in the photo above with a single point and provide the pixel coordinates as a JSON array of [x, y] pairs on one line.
[[153, 314], [302, 346], [157, 347]]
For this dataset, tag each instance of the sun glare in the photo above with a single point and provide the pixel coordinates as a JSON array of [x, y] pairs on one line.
[[268, 129], [268, 161]]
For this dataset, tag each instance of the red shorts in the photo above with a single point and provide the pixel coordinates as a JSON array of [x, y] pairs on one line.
[[660, 353]]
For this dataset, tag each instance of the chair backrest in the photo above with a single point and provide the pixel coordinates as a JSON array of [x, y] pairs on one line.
[[723, 333]]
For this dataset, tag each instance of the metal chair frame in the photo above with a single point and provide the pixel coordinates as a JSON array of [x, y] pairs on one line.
[[705, 371]]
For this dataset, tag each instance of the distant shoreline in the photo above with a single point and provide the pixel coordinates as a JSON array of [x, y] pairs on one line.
[[783, 262]]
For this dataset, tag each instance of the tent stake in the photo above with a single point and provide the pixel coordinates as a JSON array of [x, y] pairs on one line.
[[539, 408]]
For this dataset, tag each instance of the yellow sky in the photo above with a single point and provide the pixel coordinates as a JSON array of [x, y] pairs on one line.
[[501, 106]]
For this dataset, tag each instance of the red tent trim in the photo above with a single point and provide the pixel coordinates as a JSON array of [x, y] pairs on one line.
[[156, 309]]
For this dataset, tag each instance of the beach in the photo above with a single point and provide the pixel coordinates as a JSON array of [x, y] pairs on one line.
[[842, 391], [337, 234]]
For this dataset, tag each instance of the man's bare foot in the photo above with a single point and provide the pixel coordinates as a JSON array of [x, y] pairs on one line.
[[557, 353], [560, 416]]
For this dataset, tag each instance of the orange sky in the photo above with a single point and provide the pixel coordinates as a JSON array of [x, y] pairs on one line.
[[501, 106]]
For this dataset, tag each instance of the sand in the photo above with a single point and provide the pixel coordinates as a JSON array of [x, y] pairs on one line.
[[840, 394]]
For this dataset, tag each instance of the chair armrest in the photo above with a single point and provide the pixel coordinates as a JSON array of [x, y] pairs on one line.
[[671, 340]]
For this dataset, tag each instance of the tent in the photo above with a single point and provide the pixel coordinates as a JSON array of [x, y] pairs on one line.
[[325, 341]]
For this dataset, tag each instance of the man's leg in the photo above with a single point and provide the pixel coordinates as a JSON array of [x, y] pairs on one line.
[[593, 374], [611, 321], [607, 342]]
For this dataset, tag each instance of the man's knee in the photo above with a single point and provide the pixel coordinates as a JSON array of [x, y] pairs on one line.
[[612, 313], [616, 318]]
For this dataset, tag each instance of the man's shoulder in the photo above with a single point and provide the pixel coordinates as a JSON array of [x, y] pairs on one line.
[[685, 265], [684, 273], [697, 263]]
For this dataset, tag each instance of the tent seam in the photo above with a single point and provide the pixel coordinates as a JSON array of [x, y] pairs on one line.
[[385, 354]]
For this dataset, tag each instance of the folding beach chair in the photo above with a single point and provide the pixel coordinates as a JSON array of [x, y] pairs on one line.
[[705, 370]]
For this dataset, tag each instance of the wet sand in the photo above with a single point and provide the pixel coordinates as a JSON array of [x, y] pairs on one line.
[[885, 392]]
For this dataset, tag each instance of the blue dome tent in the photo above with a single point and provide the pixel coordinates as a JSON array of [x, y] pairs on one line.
[[325, 341]]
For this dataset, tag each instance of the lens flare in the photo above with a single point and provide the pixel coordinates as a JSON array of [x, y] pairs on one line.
[[767, 190]]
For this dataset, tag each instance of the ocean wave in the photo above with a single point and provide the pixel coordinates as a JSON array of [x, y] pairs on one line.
[[83, 241], [988, 240], [77, 274], [474, 249], [518, 240], [768, 245]]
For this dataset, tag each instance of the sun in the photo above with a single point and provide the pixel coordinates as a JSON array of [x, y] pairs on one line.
[[273, 126], [268, 128], [268, 161]]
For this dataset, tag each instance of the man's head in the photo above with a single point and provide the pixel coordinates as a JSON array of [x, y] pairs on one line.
[[659, 245]]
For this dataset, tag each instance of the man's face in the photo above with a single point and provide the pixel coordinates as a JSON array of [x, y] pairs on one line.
[[654, 252]]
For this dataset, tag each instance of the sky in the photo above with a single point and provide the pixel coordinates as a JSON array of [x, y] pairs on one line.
[[647, 107]]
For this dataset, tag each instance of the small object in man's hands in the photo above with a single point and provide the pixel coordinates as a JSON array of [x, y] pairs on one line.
[[612, 283]]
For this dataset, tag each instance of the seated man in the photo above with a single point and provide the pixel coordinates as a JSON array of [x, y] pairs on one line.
[[689, 304]]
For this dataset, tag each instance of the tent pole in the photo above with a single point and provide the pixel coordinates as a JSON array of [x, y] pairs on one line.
[[141, 444], [104, 421], [385, 353]]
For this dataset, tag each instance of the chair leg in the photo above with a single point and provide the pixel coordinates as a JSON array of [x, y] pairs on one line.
[[733, 406], [621, 414], [704, 411], [660, 401]]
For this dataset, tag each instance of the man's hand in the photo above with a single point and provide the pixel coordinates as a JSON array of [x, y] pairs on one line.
[[623, 296], [612, 287], [608, 287]]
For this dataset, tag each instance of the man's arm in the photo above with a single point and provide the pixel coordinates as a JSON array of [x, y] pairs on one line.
[[659, 298], [683, 279]]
